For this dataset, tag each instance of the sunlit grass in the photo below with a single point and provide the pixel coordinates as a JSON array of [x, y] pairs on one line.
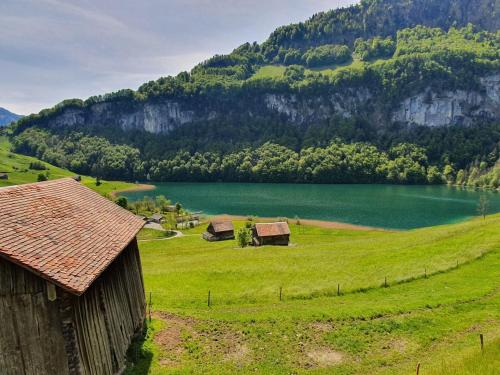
[[17, 167], [431, 311]]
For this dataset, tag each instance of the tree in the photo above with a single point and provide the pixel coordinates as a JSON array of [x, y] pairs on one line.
[[122, 202], [243, 236], [433, 175], [170, 221], [134, 207], [37, 165], [448, 173], [178, 208], [162, 203], [483, 205], [461, 177]]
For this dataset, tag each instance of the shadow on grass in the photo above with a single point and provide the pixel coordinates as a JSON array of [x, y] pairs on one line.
[[141, 352]]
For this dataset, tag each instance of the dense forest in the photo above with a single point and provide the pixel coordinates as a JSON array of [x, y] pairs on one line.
[[337, 162], [388, 48]]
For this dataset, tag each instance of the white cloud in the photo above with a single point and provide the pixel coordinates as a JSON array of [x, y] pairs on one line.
[[56, 49]]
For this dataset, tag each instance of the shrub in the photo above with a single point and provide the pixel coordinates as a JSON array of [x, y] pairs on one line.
[[42, 177], [37, 165], [122, 202], [243, 237]]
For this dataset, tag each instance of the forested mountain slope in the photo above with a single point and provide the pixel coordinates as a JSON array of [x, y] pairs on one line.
[[6, 117], [383, 72]]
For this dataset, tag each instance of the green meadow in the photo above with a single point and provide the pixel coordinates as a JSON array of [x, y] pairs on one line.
[[333, 302], [17, 167], [278, 71], [352, 302]]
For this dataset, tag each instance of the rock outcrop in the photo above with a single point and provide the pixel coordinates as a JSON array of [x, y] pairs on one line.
[[452, 107], [427, 108]]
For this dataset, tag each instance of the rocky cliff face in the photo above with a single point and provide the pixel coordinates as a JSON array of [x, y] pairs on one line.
[[427, 108], [302, 111], [452, 107]]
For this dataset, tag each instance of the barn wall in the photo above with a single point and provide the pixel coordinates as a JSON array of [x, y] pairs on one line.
[[275, 240], [228, 235], [109, 314], [31, 339]]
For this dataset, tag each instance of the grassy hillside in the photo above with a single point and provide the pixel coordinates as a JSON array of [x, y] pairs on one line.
[[442, 291], [278, 71], [17, 167]]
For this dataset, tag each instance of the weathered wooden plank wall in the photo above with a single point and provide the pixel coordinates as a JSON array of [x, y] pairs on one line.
[[31, 341], [110, 313], [89, 334]]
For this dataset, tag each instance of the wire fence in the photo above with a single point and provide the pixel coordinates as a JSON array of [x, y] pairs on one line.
[[211, 296]]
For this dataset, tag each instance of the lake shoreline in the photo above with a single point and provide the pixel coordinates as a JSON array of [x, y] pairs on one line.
[[365, 207], [136, 188], [311, 222]]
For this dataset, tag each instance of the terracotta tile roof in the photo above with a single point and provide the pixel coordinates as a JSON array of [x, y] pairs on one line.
[[272, 229], [63, 231], [222, 226]]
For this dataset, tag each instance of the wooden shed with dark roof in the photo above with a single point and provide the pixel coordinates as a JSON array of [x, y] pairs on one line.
[[219, 231], [270, 234], [71, 287]]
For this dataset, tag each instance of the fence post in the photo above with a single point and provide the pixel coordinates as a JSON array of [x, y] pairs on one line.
[[418, 368], [425, 273], [281, 291], [150, 304], [481, 338], [209, 298], [385, 282], [338, 289]]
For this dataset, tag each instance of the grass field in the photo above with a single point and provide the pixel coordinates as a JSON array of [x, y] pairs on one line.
[[442, 291], [352, 302], [278, 71], [17, 168]]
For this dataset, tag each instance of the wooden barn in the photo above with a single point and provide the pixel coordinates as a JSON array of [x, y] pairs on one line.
[[156, 218], [71, 287], [270, 234], [219, 231]]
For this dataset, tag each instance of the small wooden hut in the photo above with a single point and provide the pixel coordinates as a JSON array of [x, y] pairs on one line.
[[219, 231], [271, 234], [71, 287], [156, 218]]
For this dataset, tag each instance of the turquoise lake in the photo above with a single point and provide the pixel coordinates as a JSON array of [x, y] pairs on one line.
[[386, 206]]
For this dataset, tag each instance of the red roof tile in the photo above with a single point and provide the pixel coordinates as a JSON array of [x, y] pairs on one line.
[[63, 231], [272, 229], [222, 226]]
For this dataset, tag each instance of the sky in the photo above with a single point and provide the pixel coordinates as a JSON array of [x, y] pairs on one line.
[[51, 50]]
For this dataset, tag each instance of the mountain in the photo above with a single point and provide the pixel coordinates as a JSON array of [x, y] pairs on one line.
[[382, 72], [6, 117]]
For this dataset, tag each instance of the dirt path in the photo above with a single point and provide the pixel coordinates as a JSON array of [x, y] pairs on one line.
[[178, 234]]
